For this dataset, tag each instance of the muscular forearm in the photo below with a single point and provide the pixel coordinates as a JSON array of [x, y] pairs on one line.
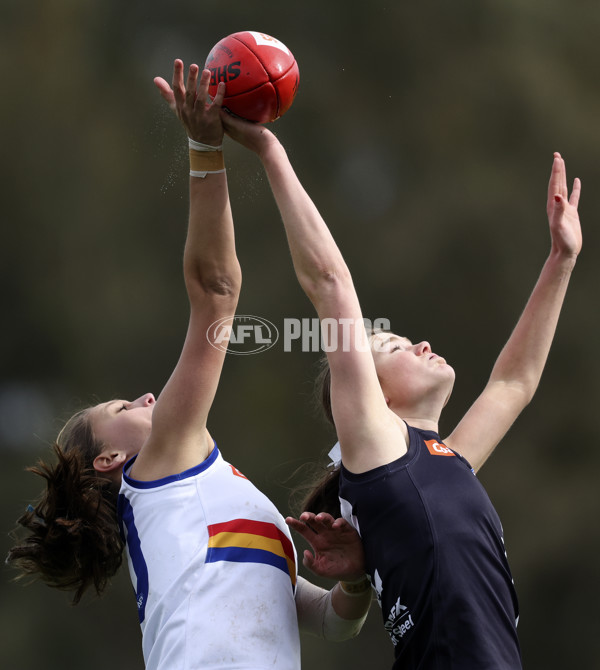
[[210, 261], [524, 356]]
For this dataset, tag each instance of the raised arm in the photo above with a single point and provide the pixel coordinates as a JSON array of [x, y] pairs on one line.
[[517, 372], [362, 420], [179, 438]]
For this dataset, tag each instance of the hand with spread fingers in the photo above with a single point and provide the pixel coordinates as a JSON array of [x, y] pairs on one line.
[[337, 551], [200, 115]]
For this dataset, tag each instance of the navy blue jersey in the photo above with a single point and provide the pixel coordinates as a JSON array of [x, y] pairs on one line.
[[435, 555]]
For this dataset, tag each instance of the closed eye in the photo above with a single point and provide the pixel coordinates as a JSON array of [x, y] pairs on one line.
[[123, 407]]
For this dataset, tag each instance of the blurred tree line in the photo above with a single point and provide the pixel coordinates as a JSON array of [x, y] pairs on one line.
[[424, 133]]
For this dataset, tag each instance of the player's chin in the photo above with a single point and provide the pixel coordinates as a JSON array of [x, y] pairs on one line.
[[448, 370]]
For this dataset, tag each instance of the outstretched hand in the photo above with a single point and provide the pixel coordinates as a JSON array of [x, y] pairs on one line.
[[563, 216], [337, 551], [200, 116]]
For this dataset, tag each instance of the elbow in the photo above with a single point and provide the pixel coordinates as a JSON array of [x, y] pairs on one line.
[[326, 281], [222, 290], [525, 389], [214, 282], [222, 287], [527, 399], [514, 394]]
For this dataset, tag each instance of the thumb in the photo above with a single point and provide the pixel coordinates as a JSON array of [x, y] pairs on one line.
[[165, 91], [308, 559]]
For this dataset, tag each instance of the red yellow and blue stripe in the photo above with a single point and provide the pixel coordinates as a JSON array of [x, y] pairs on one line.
[[247, 541]]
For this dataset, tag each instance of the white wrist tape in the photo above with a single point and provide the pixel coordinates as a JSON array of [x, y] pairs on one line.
[[199, 146], [357, 587]]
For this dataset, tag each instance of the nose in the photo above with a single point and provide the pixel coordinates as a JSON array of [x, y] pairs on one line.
[[144, 401], [422, 348]]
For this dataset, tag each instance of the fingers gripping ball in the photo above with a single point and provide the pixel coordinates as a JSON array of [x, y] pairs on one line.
[[260, 72]]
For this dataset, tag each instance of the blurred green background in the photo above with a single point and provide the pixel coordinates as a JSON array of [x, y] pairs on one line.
[[424, 133]]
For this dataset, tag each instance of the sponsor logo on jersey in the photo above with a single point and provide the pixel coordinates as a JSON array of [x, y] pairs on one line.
[[438, 449], [247, 541], [236, 472], [399, 622]]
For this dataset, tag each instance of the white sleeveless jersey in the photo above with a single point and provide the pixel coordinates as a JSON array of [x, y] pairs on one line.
[[214, 571]]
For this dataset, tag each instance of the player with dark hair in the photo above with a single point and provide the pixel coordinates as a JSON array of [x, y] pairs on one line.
[[433, 541], [210, 557]]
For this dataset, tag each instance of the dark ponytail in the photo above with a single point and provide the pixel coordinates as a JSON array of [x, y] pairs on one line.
[[73, 539], [322, 388], [320, 494]]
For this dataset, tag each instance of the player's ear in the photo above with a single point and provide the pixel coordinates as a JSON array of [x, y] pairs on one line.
[[109, 460]]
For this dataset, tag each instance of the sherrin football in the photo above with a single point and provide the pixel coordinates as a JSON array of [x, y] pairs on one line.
[[261, 74]]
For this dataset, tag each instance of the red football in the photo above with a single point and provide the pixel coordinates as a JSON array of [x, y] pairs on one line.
[[260, 72]]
